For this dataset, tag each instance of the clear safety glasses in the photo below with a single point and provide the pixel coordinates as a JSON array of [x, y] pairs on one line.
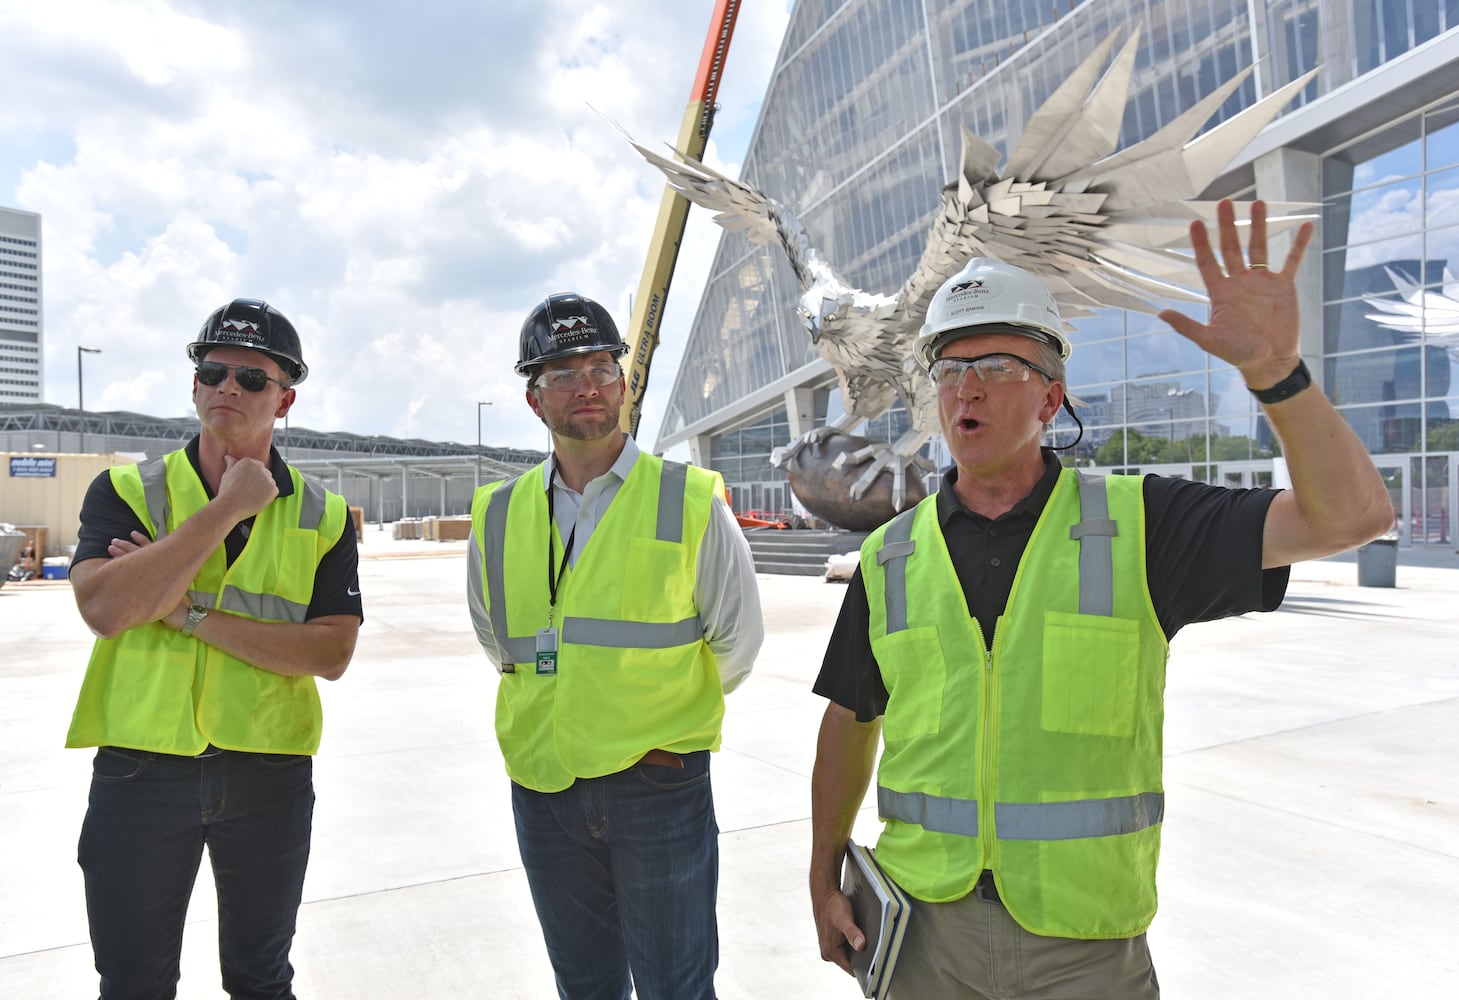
[[562, 379], [993, 369]]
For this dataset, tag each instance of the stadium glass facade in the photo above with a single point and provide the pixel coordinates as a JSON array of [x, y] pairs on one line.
[[859, 130]]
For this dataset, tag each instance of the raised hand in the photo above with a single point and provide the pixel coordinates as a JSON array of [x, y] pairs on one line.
[[1253, 323]]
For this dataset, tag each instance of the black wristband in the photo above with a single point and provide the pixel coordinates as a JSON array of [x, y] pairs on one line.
[[1288, 387]]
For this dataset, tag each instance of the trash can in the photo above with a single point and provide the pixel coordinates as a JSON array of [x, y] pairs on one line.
[[1378, 563]]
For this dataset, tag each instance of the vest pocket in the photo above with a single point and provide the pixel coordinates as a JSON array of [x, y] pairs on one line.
[[1091, 670], [659, 581], [915, 673], [298, 559]]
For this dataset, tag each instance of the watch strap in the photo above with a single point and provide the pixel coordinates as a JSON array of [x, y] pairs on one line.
[[1288, 387], [195, 615]]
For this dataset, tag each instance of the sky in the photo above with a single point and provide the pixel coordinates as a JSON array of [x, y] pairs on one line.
[[404, 182]]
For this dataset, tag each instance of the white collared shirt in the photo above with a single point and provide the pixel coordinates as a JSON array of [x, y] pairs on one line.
[[726, 595]]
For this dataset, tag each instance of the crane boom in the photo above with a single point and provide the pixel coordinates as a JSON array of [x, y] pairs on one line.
[[663, 253]]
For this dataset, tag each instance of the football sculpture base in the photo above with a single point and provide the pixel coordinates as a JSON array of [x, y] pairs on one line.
[[825, 490]]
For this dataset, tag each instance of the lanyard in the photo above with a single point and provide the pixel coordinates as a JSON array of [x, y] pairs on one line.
[[554, 573]]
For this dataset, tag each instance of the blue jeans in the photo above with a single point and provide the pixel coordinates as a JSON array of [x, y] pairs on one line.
[[624, 871], [148, 818]]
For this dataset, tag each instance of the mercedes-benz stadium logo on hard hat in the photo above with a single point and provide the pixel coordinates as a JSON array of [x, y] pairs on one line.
[[238, 330], [963, 286], [571, 328]]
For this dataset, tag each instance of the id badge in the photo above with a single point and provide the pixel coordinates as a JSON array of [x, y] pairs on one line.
[[546, 652]]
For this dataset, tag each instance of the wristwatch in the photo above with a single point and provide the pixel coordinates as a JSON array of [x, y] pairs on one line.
[[195, 615], [1288, 387]]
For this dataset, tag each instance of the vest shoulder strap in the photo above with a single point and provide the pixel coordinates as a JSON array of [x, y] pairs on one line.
[[897, 545], [1094, 531]]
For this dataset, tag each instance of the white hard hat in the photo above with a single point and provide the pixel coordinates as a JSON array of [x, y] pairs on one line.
[[986, 293]]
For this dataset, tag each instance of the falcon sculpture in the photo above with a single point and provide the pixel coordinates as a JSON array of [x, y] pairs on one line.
[[1098, 227]]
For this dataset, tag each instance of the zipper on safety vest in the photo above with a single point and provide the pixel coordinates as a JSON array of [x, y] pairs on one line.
[[986, 826]]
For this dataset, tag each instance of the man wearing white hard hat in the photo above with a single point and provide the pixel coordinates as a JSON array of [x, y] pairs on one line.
[[1007, 639]]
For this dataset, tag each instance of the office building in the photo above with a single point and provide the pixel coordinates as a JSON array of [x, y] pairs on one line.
[[21, 323], [859, 130]]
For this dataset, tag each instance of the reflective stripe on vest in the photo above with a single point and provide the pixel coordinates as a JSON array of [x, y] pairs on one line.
[[267, 607], [1022, 820], [153, 473], [1026, 820], [612, 634], [897, 545], [930, 812], [1096, 561], [196, 694], [154, 494], [1096, 556]]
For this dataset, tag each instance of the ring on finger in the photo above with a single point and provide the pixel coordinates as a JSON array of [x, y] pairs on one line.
[[1254, 265]]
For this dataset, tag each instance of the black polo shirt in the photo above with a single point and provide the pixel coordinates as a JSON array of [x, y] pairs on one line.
[[1202, 560], [105, 515]]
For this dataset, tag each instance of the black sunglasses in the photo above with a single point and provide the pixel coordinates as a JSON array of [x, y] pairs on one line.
[[253, 379]]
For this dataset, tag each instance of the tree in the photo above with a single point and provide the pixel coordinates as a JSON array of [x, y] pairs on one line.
[[1444, 437], [1130, 447]]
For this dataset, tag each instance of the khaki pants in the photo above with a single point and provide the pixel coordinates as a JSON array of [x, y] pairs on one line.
[[972, 949]]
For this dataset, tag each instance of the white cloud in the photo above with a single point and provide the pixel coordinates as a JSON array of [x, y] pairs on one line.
[[404, 189]]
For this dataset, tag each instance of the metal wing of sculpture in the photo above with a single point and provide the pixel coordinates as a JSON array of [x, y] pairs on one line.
[[1420, 311], [1099, 227]]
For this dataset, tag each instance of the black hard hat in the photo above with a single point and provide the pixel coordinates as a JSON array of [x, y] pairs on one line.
[[256, 324], [564, 324]]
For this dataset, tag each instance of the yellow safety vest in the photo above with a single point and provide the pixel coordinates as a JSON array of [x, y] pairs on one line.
[[633, 671], [1039, 760], [153, 688]]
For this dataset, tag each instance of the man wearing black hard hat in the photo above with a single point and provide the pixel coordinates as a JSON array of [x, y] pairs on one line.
[[616, 595], [220, 584]]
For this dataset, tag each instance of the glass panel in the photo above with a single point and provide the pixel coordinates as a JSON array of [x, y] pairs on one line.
[[1443, 424], [1393, 477], [1441, 145], [1385, 156], [728, 468], [1380, 212], [1387, 429], [1097, 363], [1165, 400], [1186, 439], [1438, 491], [756, 440], [1227, 447], [1164, 353], [1364, 324], [1441, 203], [1102, 405], [1352, 271], [1106, 324], [1230, 399], [1427, 20], [1376, 376]]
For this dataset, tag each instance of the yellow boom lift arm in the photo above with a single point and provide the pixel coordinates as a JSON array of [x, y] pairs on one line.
[[663, 253]]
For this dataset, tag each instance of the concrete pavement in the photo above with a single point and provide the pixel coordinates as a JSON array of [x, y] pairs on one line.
[[1311, 834]]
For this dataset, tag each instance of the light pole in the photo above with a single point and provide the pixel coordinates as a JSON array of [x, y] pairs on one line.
[[81, 394], [479, 405]]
